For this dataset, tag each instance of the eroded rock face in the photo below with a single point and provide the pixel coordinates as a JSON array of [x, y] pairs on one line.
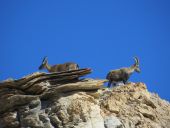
[[79, 104], [136, 107], [78, 110]]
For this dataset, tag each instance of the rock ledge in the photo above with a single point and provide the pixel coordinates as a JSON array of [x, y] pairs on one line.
[[61, 100]]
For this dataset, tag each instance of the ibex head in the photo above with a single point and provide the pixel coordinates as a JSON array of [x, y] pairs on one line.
[[44, 63], [136, 65]]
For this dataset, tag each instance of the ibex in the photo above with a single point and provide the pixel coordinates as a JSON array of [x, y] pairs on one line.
[[122, 74], [58, 67]]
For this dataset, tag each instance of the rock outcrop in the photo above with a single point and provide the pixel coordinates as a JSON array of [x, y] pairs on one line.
[[63, 100]]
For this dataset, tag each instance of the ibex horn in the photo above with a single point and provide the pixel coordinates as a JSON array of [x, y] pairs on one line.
[[45, 59], [136, 60]]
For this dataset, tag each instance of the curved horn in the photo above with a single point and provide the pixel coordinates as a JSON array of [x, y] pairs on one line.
[[45, 59], [136, 60]]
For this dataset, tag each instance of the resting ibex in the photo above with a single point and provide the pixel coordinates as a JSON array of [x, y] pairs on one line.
[[58, 67], [122, 74]]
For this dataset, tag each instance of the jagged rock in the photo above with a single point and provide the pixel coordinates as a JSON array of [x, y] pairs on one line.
[[79, 110], [9, 120], [29, 114], [61, 100], [12, 102], [112, 122], [137, 107]]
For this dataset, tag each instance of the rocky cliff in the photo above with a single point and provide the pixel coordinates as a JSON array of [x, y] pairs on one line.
[[64, 100]]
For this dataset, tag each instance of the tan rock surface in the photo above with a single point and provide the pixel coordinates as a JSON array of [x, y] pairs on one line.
[[62, 101]]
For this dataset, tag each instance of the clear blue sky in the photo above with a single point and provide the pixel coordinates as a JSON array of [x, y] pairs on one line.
[[103, 35]]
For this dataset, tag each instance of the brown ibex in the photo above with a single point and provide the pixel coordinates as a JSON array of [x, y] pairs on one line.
[[58, 67], [122, 74]]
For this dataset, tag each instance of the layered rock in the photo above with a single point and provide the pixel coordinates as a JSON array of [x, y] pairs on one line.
[[63, 100]]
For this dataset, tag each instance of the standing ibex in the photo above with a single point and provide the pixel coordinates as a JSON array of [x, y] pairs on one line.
[[58, 67], [122, 74]]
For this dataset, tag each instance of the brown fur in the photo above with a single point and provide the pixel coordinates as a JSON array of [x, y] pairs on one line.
[[122, 74], [58, 67]]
